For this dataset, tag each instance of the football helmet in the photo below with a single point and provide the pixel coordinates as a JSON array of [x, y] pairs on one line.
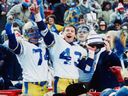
[[31, 32]]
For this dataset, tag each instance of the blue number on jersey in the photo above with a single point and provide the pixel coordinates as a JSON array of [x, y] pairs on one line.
[[66, 55], [40, 52], [79, 55]]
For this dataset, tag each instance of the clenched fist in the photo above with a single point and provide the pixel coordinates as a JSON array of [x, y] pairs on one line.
[[34, 8]]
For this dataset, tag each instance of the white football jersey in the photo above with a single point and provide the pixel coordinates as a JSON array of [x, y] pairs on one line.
[[33, 60], [64, 57]]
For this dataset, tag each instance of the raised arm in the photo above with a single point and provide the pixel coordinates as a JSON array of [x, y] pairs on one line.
[[87, 64], [45, 33], [13, 44]]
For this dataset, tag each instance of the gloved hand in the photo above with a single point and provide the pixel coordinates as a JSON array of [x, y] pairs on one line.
[[8, 28], [116, 70], [34, 8]]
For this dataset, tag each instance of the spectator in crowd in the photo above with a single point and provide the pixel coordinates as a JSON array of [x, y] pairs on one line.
[[71, 15], [2, 15], [125, 28], [53, 3], [19, 13], [106, 11], [40, 4], [114, 4], [12, 3], [84, 7], [117, 41], [81, 21], [125, 66], [116, 25], [52, 26], [125, 17], [118, 14], [94, 6], [59, 12], [9, 68], [92, 20], [102, 27], [100, 1], [105, 59]]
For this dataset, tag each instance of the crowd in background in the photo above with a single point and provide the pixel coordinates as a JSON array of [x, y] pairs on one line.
[[94, 21]]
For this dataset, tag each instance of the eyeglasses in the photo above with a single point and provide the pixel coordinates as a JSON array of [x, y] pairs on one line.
[[102, 25], [82, 32]]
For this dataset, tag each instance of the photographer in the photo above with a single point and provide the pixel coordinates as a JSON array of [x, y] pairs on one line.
[[103, 77]]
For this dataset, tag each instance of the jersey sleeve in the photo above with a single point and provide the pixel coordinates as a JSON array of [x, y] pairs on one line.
[[86, 64], [45, 33], [13, 44]]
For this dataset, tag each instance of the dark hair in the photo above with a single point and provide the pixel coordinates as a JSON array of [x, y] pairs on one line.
[[81, 17], [51, 16], [104, 4], [99, 23], [118, 21], [77, 1], [70, 26]]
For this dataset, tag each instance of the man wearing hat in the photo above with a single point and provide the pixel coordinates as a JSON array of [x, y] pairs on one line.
[[19, 12], [102, 77], [118, 14]]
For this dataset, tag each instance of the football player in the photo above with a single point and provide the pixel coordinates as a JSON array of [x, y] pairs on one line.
[[32, 55], [64, 53]]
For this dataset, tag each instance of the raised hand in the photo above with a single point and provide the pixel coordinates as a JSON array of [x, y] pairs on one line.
[[34, 8], [8, 28], [91, 51]]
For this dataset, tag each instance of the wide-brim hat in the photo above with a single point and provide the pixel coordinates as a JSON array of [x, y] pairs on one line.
[[120, 7], [25, 4]]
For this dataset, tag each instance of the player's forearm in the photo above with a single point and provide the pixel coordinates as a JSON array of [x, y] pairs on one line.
[[41, 25], [13, 44], [45, 33], [86, 64]]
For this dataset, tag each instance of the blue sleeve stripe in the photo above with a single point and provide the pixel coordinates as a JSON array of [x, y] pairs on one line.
[[41, 25], [49, 39], [13, 44], [84, 62]]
